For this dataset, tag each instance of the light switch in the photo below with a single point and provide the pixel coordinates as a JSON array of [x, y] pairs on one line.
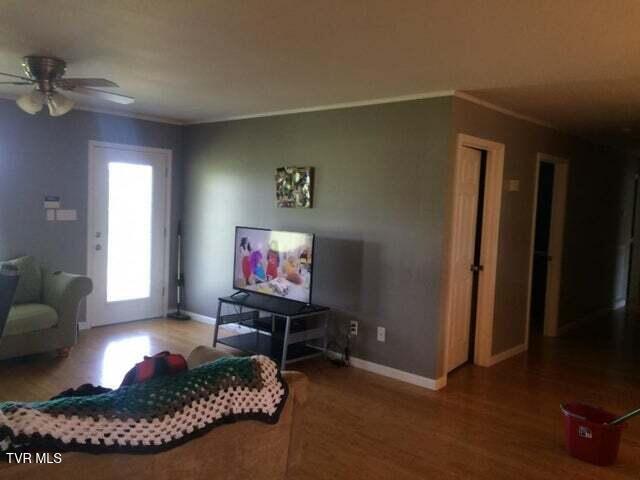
[[51, 201], [51, 215], [513, 185]]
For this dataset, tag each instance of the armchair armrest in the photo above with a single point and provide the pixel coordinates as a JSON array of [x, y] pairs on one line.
[[63, 292]]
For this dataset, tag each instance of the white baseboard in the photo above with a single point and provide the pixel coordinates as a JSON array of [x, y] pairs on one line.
[[620, 304], [564, 329], [383, 370], [512, 352], [412, 378], [201, 318]]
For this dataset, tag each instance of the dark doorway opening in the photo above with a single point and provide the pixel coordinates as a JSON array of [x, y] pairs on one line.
[[541, 256], [477, 266]]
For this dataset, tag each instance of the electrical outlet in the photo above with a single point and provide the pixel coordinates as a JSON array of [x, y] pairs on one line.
[[353, 328], [382, 334]]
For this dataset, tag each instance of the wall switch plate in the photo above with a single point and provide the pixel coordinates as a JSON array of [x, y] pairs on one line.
[[51, 201], [513, 185], [353, 328], [382, 334]]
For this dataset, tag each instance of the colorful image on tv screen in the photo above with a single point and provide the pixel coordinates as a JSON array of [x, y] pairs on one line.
[[274, 263]]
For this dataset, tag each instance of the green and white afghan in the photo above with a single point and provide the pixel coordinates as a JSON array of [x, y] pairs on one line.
[[148, 417]]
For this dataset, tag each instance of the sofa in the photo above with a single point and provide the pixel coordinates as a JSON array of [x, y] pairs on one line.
[[44, 315], [243, 450]]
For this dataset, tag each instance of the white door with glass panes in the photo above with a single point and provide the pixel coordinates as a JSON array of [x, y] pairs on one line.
[[127, 237]]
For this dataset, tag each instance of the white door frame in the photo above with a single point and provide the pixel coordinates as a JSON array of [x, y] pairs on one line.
[[93, 145], [556, 238], [489, 248]]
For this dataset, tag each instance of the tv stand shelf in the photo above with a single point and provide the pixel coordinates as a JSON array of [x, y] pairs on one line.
[[289, 332]]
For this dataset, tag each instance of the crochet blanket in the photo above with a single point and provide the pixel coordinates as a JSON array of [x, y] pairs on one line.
[[157, 415]]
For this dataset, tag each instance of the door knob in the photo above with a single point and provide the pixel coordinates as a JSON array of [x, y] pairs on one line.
[[98, 247]]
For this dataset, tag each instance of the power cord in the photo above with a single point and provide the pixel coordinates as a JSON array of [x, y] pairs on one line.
[[334, 346]]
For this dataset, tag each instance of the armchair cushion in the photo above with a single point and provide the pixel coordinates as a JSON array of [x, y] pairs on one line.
[[30, 284], [48, 323], [30, 317]]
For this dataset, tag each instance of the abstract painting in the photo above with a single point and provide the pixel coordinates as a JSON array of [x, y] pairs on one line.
[[294, 187]]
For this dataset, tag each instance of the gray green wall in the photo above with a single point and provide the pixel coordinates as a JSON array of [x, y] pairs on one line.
[[380, 193], [598, 219], [41, 155], [381, 200]]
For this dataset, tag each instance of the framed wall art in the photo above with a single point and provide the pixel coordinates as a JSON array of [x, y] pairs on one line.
[[294, 187]]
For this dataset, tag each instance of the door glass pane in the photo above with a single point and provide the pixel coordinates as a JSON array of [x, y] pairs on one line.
[[129, 230]]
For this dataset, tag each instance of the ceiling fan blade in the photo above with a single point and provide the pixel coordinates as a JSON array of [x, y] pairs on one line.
[[17, 76], [112, 97], [72, 83], [15, 83]]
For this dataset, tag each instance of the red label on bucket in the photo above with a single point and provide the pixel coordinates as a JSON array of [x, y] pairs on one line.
[[585, 432]]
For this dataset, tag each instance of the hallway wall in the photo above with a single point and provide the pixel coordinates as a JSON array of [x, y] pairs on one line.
[[597, 224]]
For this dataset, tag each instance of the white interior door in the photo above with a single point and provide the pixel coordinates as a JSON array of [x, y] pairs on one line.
[[467, 185], [127, 233]]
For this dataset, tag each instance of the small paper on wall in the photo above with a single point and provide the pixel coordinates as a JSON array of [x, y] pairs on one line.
[[66, 215]]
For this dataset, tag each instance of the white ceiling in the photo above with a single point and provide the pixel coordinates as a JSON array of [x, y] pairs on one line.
[[575, 62]]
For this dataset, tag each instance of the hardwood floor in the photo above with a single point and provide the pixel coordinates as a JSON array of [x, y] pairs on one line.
[[500, 422]]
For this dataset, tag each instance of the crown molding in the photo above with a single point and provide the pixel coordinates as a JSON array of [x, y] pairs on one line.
[[506, 111], [332, 106], [317, 108]]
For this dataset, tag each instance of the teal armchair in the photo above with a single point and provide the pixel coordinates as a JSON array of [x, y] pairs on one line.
[[44, 320]]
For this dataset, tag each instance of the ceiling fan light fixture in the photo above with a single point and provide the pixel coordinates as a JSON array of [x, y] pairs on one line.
[[31, 102], [59, 104], [47, 74]]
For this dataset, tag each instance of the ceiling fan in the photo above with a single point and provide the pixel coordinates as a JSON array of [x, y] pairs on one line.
[[47, 73]]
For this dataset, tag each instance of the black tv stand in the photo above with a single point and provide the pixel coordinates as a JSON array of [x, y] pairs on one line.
[[281, 329], [239, 292]]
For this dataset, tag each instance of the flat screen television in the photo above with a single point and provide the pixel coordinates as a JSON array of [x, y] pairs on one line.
[[273, 262]]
